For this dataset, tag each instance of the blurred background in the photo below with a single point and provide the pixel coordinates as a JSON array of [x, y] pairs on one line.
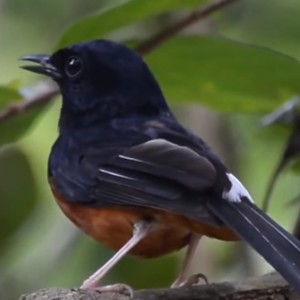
[[222, 76]]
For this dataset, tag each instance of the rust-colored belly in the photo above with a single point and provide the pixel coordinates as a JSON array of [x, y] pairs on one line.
[[113, 227]]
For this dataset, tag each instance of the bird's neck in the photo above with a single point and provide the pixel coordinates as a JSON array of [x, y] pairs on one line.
[[90, 127], [73, 121]]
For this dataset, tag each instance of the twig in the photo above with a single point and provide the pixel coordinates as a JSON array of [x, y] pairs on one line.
[[37, 98], [144, 48], [164, 35]]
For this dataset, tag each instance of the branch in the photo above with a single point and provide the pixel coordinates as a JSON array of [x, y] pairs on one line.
[[39, 99], [167, 33], [39, 96], [270, 286]]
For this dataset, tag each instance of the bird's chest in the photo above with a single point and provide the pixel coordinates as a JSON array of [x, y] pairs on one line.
[[67, 170], [113, 227], [110, 225]]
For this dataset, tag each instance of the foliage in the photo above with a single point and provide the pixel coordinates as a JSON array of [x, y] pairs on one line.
[[240, 65]]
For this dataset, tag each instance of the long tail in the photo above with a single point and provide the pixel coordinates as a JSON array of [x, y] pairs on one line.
[[275, 244]]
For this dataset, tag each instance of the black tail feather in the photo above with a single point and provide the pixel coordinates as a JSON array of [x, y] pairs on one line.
[[270, 240]]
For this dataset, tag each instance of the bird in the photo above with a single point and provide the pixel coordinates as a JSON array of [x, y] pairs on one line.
[[128, 174]]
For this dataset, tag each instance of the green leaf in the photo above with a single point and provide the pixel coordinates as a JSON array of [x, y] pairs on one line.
[[125, 13], [254, 21], [18, 194], [14, 127], [8, 95], [225, 75]]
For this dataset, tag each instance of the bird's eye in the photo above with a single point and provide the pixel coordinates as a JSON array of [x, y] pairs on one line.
[[74, 67]]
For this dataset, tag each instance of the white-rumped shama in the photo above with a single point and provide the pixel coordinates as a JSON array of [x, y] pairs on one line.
[[129, 175]]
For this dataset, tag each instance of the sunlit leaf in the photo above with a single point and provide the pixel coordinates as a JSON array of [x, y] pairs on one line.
[[16, 115], [225, 75], [125, 13], [14, 127], [7, 95]]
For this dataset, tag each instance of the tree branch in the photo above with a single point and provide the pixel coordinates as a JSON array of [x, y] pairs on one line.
[[167, 33], [43, 97], [39, 96], [270, 286]]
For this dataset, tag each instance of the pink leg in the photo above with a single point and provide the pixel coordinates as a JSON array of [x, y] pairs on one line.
[[140, 230], [182, 277]]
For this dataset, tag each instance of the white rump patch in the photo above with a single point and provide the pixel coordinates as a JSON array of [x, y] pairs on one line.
[[237, 190]]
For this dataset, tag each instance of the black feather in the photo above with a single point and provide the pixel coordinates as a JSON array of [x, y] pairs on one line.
[[270, 240]]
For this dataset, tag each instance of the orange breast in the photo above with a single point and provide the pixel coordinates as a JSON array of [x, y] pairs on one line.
[[114, 226]]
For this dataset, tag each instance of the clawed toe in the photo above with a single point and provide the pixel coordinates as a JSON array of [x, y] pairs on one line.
[[191, 281], [119, 288], [196, 280]]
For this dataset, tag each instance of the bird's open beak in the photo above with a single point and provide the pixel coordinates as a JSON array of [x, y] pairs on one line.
[[44, 66]]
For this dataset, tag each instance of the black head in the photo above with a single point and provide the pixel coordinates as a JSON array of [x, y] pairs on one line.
[[101, 80]]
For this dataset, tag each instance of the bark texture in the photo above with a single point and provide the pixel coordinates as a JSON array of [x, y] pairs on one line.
[[267, 287]]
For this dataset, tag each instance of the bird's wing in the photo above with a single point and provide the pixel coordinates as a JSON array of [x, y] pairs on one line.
[[155, 174], [165, 174]]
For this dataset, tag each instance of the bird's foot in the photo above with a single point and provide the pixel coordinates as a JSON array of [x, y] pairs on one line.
[[119, 288], [191, 281]]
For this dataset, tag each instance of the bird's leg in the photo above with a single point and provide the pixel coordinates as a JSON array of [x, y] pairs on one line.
[[140, 230], [182, 277]]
